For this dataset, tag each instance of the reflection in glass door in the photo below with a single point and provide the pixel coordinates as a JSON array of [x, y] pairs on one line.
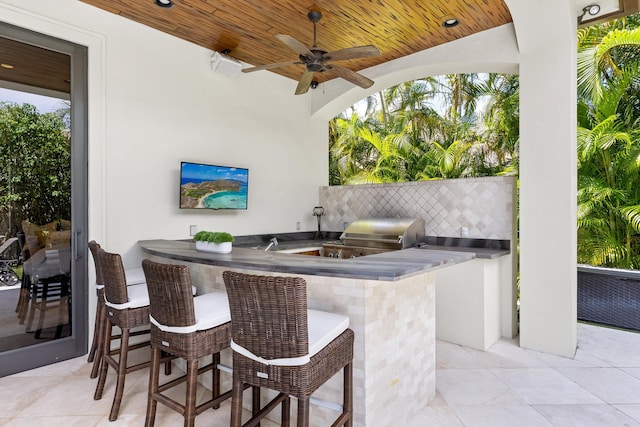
[[43, 290], [35, 220]]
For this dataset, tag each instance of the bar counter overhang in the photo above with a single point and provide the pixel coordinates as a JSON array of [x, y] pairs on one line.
[[389, 298]]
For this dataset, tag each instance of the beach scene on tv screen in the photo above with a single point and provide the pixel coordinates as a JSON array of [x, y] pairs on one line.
[[213, 187]]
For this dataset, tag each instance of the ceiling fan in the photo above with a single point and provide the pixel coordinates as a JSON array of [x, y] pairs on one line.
[[317, 60]]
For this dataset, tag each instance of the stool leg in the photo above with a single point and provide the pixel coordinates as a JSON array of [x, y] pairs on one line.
[[25, 297], [63, 307], [99, 337], [167, 365], [255, 400], [236, 402], [154, 380], [255, 397], [286, 412], [192, 385], [303, 411], [32, 306], [216, 378], [347, 401], [122, 373], [95, 343], [104, 352], [44, 296], [21, 297]]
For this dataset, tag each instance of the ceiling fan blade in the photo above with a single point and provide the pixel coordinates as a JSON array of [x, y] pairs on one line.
[[295, 45], [352, 53], [269, 66], [351, 76], [305, 82]]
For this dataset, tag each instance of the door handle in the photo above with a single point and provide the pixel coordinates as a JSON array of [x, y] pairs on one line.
[[74, 247]]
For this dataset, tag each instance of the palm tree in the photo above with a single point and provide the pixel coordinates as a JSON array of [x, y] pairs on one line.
[[448, 162], [605, 173], [344, 148], [390, 155], [608, 147], [422, 119], [501, 136]]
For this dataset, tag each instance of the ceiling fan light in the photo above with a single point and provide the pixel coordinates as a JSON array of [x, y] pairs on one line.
[[450, 23], [164, 3]]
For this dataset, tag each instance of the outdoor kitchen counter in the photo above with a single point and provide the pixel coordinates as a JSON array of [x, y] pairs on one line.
[[391, 266], [484, 253], [390, 299]]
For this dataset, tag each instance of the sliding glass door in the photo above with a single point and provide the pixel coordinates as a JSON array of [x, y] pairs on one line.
[[43, 200]]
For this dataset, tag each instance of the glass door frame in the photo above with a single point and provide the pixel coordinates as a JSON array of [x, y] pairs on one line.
[[53, 351]]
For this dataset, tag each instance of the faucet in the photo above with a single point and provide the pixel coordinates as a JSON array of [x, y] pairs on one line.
[[272, 242]]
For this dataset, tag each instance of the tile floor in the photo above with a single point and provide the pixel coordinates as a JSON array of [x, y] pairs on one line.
[[509, 386], [505, 386]]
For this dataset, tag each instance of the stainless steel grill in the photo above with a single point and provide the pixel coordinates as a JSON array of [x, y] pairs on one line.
[[376, 235]]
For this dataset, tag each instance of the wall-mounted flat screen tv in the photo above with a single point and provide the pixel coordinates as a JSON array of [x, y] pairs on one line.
[[213, 187]]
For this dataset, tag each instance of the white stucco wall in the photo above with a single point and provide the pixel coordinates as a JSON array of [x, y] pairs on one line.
[[490, 51]]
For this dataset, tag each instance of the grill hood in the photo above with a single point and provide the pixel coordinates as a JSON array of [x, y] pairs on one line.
[[386, 233]]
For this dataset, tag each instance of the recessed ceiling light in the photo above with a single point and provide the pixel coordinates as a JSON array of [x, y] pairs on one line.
[[450, 23], [9, 66], [164, 3]]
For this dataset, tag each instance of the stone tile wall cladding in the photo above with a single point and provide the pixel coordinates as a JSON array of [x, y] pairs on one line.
[[484, 205]]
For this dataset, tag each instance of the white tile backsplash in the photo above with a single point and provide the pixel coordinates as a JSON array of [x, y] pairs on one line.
[[484, 205]]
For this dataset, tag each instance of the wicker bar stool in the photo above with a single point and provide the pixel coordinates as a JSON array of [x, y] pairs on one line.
[[281, 345], [188, 327], [133, 276], [126, 307]]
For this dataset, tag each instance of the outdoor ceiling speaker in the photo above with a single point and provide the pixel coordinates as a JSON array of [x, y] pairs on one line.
[[223, 64]]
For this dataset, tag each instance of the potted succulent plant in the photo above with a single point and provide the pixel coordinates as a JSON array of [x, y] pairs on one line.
[[213, 241]]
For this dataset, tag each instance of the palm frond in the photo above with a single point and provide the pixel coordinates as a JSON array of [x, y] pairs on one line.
[[632, 214]]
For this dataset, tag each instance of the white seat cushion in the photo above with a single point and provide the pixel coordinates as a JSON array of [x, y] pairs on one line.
[[324, 327], [211, 310], [135, 276], [138, 297]]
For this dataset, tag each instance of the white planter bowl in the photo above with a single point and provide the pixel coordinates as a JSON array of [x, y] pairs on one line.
[[220, 248]]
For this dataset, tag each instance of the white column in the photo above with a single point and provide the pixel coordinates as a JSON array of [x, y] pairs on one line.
[[546, 32]]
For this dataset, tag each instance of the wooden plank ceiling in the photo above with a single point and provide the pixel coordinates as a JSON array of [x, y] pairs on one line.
[[33, 66], [248, 27]]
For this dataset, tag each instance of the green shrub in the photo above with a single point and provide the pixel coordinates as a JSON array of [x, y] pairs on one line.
[[213, 237]]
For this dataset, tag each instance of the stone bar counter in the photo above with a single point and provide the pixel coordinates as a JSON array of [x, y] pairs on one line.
[[389, 298]]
